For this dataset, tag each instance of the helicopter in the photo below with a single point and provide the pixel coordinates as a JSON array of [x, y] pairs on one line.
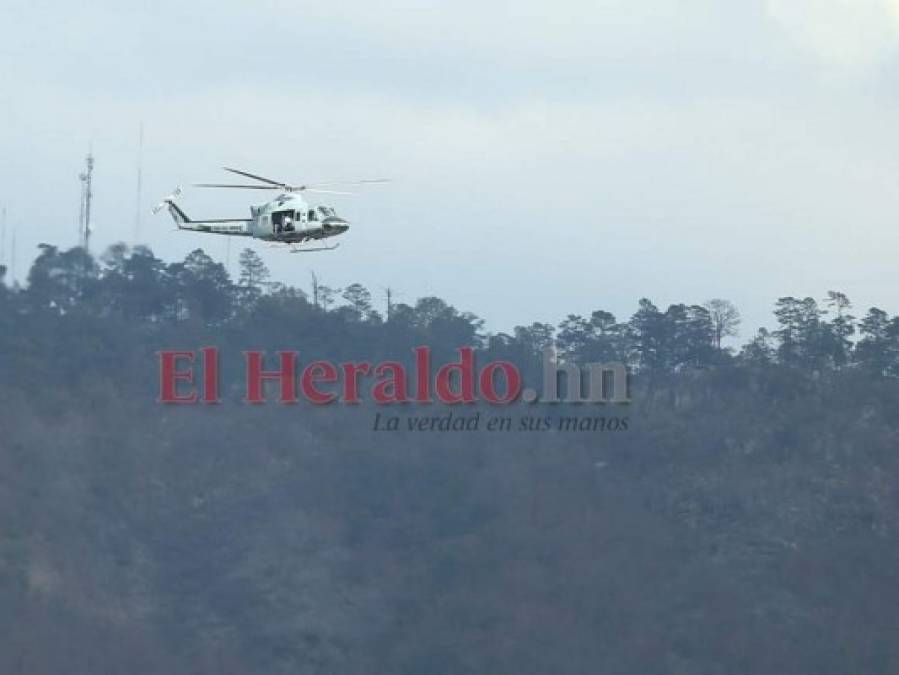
[[289, 219]]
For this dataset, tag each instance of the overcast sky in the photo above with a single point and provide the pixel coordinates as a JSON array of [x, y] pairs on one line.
[[546, 157]]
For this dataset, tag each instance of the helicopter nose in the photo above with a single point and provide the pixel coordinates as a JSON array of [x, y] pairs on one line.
[[336, 225]]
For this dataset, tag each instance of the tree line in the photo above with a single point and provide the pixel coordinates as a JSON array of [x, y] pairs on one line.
[[133, 285]]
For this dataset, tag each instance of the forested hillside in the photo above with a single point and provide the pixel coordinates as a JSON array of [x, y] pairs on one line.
[[744, 523]]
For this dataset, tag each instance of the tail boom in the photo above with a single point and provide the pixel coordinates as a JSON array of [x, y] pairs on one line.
[[231, 226]]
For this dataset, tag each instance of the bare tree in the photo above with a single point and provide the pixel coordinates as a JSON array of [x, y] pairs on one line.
[[327, 296], [315, 288], [725, 319]]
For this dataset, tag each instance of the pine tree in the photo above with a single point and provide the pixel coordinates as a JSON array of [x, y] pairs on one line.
[[253, 272]]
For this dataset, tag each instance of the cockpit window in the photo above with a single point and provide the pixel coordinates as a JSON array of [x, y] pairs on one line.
[[326, 211]]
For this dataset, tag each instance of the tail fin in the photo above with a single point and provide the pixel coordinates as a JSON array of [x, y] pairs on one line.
[[178, 215]]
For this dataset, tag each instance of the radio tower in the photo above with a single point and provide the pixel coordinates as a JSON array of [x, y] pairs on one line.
[[84, 221]]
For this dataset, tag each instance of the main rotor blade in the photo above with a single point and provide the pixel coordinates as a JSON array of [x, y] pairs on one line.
[[255, 177], [241, 187], [327, 192], [363, 181]]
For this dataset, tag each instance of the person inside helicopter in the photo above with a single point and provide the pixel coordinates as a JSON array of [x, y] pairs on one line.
[[282, 223]]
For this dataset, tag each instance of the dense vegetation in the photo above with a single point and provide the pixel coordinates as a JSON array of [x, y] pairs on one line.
[[745, 523]]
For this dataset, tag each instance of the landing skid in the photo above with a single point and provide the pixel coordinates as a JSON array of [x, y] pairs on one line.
[[299, 248]]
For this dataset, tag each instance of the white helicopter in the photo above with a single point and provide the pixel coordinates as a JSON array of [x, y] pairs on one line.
[[289, 219]]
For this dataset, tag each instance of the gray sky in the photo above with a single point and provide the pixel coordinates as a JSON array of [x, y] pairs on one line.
[[547, 157]]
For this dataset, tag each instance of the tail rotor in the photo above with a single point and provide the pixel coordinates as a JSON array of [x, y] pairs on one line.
[[167, 201]]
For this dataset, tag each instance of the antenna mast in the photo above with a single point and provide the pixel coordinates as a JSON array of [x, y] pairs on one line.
[[84, 220]]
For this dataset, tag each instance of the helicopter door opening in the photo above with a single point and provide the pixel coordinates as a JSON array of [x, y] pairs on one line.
[[283, 222]]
